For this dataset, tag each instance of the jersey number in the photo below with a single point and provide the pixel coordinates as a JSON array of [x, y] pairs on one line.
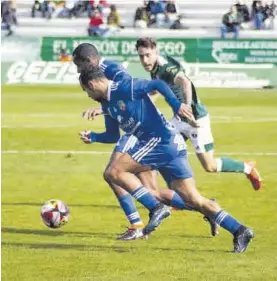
[[181, 145]]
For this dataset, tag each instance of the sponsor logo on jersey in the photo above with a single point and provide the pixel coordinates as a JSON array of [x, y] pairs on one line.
[[172, 69], [129, 123], [121, 105]]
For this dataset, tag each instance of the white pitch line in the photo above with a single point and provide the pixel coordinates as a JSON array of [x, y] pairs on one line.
[[39, 114], [71, 125], [55, 152], [258, 120], [52, 115], [40, 126], [80, 152]]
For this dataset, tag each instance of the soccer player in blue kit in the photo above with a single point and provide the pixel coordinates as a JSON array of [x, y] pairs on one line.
[[86, 54], [159, 146]]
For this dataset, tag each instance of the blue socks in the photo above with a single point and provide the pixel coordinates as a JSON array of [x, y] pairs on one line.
[[177, 202], [227, 222], [128, 205], [145, 198]]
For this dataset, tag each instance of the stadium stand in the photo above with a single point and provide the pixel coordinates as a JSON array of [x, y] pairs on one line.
[[200, 19]]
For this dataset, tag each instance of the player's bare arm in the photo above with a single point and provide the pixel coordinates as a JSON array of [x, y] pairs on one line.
[[85, 136], [183, 81], [92, 112]]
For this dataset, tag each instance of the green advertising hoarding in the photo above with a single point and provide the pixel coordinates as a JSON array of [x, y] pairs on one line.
[[237, 51], [116, 48], [189, 50]]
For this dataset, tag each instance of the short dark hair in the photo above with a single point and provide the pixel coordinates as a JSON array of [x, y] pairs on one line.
[[113, 8], [84, 51], [89, 73], [146, 42]]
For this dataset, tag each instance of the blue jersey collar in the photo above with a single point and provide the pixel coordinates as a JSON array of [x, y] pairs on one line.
[[101, 61], [109, 91]]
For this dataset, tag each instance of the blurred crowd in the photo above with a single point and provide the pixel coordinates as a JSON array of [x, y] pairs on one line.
[[105, 19], [8, 16], [259, 16], [161, 14]]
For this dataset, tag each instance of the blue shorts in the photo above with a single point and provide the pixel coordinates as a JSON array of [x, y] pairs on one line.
[[125, 143], [168, 155], [178, 168]]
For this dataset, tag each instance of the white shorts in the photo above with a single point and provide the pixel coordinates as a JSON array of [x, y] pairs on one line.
[[201, 138]]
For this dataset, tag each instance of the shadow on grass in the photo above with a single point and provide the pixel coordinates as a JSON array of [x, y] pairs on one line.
[[56, 232], [78, 247], [215, 251], [190, 236], [71, 205], [118, 249]]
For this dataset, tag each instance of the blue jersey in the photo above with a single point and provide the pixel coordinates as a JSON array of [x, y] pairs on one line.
[[112, 69], [129, 104]]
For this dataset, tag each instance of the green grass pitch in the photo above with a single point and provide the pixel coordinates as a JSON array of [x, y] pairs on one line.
[[36, 119]]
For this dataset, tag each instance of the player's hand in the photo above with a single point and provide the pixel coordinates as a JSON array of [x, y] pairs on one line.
[[186, 112], [91, 113], [85, 136]]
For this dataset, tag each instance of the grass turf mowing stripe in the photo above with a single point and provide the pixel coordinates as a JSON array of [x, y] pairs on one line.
[[109, 152]]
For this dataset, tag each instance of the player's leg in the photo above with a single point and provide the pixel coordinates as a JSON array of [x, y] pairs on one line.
[[202, 141], [203, 144], [126, 202], [124, 198], [183, 183], [169, 197], [123, 172], [187, 190]]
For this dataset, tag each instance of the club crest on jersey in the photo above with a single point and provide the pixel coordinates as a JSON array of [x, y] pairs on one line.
[[119, 118], [121, 105], [172, 69]]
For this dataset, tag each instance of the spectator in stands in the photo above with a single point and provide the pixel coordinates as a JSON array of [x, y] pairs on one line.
[[171, 13], [171, 7], [177, 23], [96, 5], [96, 25], [59, 7], [154, 9], [141, 18], [231, 22], [80, 7], [258, 14], [64, 56], [113, 19], [37, 6], [8, 16], [71, 7], [45, 7], [243, 10], [269, 14]]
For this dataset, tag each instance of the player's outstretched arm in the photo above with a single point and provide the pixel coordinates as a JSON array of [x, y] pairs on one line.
[[144, 87], [92, 112], [111, 135]]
